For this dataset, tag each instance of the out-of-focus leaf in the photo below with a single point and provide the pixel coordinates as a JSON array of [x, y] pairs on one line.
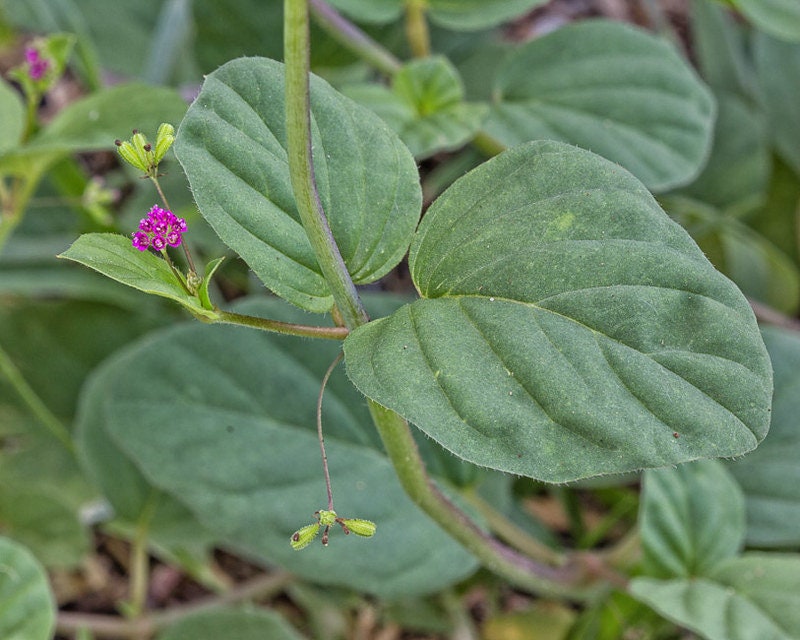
[[231, 625], [27, 609], [779, 18], [12, 117]]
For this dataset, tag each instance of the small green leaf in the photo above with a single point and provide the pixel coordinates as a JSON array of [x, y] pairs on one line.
[[770, 475], [114, 256], [232, 145], [202, 292], [567, 328], [425, 106], [691, 518], [12, 117], [611, 88], [220, 624], [752, 596], [27, 609]]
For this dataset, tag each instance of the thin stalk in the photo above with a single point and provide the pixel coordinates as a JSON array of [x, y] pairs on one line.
[[325, 379], [285, 328], [570, 503], [353, 38], [512, 534], [301, 165], [568, 580], [140, 563], [183, 244], [417, 33], [115, 628], [34, 402]]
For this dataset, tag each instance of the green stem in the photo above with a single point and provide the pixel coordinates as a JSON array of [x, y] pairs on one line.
[[140, 563], [350, 36], [419, 39], [301, 167], [523, 572], [34, 402], [285, 328], [512, 534]]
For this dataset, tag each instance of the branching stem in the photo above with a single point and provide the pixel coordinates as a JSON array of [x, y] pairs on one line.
[[285, 328]]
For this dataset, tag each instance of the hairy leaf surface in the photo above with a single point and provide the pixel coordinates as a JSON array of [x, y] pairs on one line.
[[232, 145], [568, 327]]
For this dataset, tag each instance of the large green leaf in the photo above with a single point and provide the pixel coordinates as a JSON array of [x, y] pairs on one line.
[[232, 145], [610, 88], [691, 518], [27, 610], [778, 67], [223, 419], [234, 625], [567, 328], [425, 106], [780, 18], [770, 476], [752, 596]]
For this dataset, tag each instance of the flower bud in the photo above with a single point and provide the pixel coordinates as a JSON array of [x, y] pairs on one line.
[[304, 536], [164, 139], [365, 528]]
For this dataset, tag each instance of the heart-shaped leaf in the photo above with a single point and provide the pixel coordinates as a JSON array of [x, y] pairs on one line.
[[27, 610], [232, 145], [752, 596], [770, 476], [691, 518], [611, 88], [223, 419], [568, 327]]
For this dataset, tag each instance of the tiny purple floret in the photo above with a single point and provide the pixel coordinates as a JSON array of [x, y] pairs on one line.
[[160, 228], [37, 66]]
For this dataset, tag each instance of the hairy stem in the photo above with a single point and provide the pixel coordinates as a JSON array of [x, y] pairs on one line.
[[285, 328], [353, 38], [301, 165], [568, 580]]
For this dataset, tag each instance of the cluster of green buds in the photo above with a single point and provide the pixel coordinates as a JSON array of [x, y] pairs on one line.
[[304, 536], [139, 153]]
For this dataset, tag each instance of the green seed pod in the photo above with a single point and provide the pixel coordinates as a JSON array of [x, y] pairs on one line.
[[144, 155], [129, 155], [326, 518], [164, 139], [304, 536], [360, 527]]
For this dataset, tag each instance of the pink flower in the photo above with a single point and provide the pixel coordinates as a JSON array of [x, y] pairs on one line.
[[37, 65], [160, 228]]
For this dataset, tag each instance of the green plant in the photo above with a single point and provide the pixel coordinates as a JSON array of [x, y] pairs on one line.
[[565, 330]]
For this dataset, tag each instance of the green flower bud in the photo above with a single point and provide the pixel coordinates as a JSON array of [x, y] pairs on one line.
[[304, 536], [164, 139], [128, 153], [145, 155], [360, 527]]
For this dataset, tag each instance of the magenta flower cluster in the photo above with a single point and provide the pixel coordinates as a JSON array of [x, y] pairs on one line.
[[37, 65], [160, 228]]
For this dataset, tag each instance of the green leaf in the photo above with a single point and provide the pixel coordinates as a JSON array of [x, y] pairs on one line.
[[752, 596], [777, 218], [567, 328], [779, 18], [27, 610], [114, 256], [224, 420], [691, 518], [44, 524], [466, 15], [257, 624], [12, 117], [611, 88], [738, 169], [425, 106], [232, 145], [778, 68], [770, 476]]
